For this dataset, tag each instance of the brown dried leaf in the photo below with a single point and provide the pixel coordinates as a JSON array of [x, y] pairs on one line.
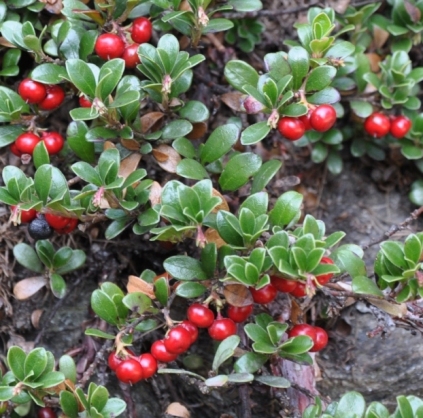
[[93, 14], [53, 6], [413, 11], [374, 60], [237, 295], [35, 317], [198, 131], [129, 165], [150, 121], [178, 410], [130, 144], [212, 236], [28, 287], [155, 193], [223, 205], [234, 100], [136, 284], [108, 145], [380, 36], [340, 6], [167, 158], [185, 6], [7, 44], [15, 339], [393, 309]]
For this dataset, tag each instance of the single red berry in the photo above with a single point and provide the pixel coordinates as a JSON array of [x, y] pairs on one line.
[[14, 150], [26, 215], [141, 30], [178, 340], [306, 120], [130, 56], [323, 118], [377, 125], [54, 98], [129, 371], [72, 224], [46, 413], [109, 46], [57, 221], [53, 141], [148, 364], [201, 316], [84, 102], [160, 353], [324, 278], [192, 329], [283, 285], [291, 128], [303, 329], [264, 295], [222, 328], [320, 341], [114, 360], [300, 290], [239, 313], [400, 126], [26, 142], [32, 91]]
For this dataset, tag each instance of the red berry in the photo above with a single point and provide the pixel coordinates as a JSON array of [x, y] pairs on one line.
[[14, 150], [141, 30], [26, 142], [130, 56], [53, 141], [160, 353], [54, 98], [192, 329], [303, 329], [148, 364], [377, 125], [72, 224], [201, 316], [320, 341], [129, 371], [26, 215], [239, 313], [114, 360], [264, 295], [109, 46], [323, 118], [291, 128], [32, 91], [57, 221], [84, 102], [178, 340], [284, 285], [46, 413], [324, 278], [400, 126], [299, 291], [306, 120], [222, 328]]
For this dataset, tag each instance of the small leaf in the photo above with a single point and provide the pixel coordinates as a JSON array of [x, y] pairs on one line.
[[16, 360], [255, 133], [104, 307], [364, 285], [225, 351], [238, 170], [274, 381], [287, 209], [58, 285], [219, 143], [217, 381], [67, 367], [27, 256], [184, 268], [239, 73], [190, 290]]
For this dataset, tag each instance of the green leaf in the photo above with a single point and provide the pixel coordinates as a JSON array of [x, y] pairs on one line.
[[238, 170], [191, 169], [9, 133], [16, 360], [364, 285], [246, 5], [394, 252], [184, 268], [93, 332], [195, 111], [49, 74], [225, 351], [67, 367], [176, 129], [250, 363], [69, 404], [104, 307], [266, 172], [26, 256], [320, 77], [137, 302], [350, 402], [190, 290], [287, 209], [40, 155], [77, 141], [361, 108], [341, 50], [217, 381], [161, 290], [81, 76], [228, 227], [257, 334], [51, 379], [298, 60], [6, 393], [296, 345], [35, 363], [255, 133], [274, 381], [99, 397], [109, 77], [219, 143], [328, 95], [57, 285], [239, 73]]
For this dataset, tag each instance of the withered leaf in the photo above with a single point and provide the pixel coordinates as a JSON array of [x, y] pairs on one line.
[[212, 236], [150, 121], [233, 100], [155, 193], [223, 205], [237, 295], [136, 284], [167, 158], [198, 131], [28, 287], [178, 410]]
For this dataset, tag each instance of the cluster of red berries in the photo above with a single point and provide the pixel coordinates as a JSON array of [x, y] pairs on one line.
[[296, 288], [111, 45], [26, 143], [318, 335], [379, 125], [47, 97], [46, 412], [321, 119]]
